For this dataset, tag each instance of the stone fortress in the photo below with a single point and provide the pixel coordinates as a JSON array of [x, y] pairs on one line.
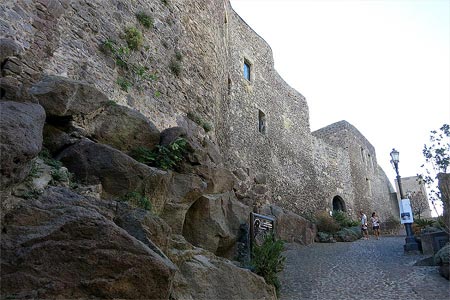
[[260, 123]]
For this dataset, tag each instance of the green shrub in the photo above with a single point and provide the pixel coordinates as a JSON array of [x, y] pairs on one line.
[[267, 260], [343, 220], [166, 158], [124, 84], [175, 67], [134, 38], [137, 200], [326, 223], [145, 20], [422, 223], [48, 159]]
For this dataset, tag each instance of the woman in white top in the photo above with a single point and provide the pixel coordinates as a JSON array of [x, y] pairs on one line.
[[375, 225]]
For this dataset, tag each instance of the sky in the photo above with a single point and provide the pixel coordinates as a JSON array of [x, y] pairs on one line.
[[381, 65]]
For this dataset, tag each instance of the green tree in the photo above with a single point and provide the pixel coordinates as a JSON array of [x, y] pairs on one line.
[[437, 160]]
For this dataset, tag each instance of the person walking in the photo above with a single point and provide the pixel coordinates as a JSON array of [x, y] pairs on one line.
[[364, 225], [375, 225]]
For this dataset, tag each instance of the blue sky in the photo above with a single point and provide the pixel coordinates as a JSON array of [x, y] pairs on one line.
[[384, 66]]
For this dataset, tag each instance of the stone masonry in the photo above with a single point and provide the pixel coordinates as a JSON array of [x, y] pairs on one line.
[[260, 124]]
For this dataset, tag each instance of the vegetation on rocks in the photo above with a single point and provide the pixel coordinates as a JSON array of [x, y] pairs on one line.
[[166, 158], [267, 260], [134, 38], [199, 120], [137, 200], [145, 20]]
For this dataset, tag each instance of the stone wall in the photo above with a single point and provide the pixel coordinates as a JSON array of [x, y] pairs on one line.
[[370, 187], [285, 164]]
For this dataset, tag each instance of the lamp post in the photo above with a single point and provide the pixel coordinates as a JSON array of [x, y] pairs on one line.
[[410, 241]]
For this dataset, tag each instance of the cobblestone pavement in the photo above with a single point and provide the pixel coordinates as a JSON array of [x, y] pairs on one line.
[[373, 269]]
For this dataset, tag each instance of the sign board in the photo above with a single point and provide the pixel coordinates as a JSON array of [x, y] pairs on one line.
[[406, 215], [260, 225]]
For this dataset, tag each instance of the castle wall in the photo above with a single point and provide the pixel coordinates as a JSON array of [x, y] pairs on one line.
[[286, 164], [284, 152]]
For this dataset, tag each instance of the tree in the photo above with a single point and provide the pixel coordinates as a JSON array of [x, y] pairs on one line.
[[437, 160], [419, 202]]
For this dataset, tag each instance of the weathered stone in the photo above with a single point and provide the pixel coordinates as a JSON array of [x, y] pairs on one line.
[[260, 189], [169, 135], [183, 190], [8, 48], [348, 234], [10, 89], [220, 180], [213, 222], [65, 246], [118, 173], [122, 128], [260, 179], [56, 139], [21, 127], [146, 227], [291, 227], [61, 96], [444, 188], [205, 277]]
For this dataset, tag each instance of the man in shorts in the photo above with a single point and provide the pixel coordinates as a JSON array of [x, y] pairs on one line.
[[364, 230]]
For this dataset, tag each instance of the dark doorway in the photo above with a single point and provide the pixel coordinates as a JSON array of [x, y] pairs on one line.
[[338, 203]]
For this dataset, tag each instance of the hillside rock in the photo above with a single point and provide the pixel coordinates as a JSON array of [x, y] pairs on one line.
[[169, 135], [118, 173], [146, 227], [204, 276], [291, 227], [21, 127], [218, 179], [62, 97], [213, 223], [65, 246], [122, 128], [183, 191], [8, 48]]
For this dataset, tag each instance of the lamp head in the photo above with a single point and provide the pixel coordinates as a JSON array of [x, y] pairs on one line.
[[394, 156]]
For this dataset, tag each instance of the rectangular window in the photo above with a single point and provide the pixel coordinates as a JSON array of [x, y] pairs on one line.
[[247, 70], [262, 122]]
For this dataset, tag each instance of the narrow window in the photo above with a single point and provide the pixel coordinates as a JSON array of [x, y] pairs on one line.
[[247, 70], [229, 85], [262, 122], [362, 155]]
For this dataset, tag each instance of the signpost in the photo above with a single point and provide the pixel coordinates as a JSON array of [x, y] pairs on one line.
[[260, 226], [406, 215]]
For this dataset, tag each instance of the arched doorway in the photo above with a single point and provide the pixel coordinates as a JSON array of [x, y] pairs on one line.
[[338, 203]]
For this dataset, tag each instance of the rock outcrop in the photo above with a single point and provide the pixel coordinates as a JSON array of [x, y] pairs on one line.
[[63, 245], [20, 139]]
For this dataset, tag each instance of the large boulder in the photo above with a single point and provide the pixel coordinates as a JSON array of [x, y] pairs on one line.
[[213, 223], [203, 276], [8, 48], [66, 246], [220, 180], [442, 259], [291, 227], [122, 128], [146, 227], [21, 127], [119, 174], [183, 191], [63, 97]]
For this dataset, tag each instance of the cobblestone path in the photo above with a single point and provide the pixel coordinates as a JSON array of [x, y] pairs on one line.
[[372, 270]]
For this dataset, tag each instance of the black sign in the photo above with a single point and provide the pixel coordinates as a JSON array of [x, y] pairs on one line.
[[260, 226]]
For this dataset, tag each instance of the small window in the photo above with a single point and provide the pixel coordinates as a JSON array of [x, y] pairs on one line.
[[247, 70], [262, 122]]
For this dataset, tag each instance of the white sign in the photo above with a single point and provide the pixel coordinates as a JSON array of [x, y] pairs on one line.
[[406, 215]]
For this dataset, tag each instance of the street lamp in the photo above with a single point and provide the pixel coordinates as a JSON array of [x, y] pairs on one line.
[[411, 244]]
